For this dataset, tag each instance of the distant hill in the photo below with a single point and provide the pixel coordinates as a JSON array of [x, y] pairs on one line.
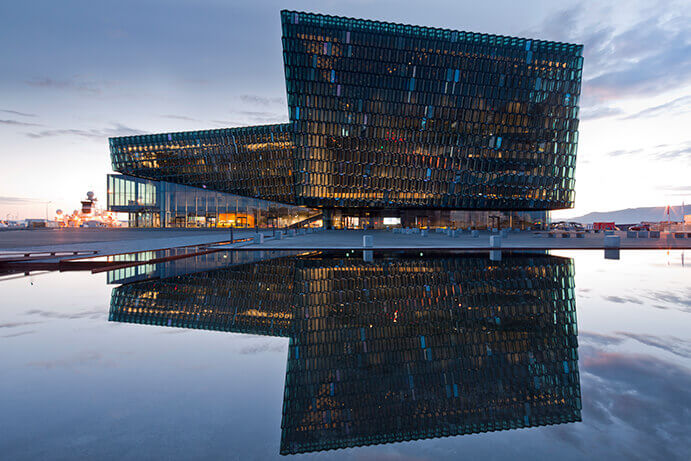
[[634, 215]]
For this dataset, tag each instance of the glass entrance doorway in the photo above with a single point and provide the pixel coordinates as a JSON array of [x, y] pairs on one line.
[[351, 222]]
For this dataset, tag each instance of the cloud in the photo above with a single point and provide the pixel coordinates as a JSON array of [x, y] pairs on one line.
[[67, 316], [623, 300], [97, 134], [180, 117], [263, 347], [671, 344], [555, 26], [680, 300], [680, 191], [21, 333], [248, 121], [260, 116], [254, 113], [261, 100], [640, 402], [669, 152], [595, 112], [16, 324], [674, 107], [659, 152], [624, 152], [647, 56], [226, 123], [676, 188], [72, 84], [83, 359], [676, 346], [575, 26], [15, 112], [239, 118], [586, 337], [19, 200], [17, 123]]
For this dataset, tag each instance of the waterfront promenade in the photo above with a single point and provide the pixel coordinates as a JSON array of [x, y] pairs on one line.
[[383, 239], [113, 241]]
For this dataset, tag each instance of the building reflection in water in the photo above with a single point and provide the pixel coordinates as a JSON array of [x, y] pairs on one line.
[[402, 347]]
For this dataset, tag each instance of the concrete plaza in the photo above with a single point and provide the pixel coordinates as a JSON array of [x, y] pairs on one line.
[[383, 239], [113, 241]]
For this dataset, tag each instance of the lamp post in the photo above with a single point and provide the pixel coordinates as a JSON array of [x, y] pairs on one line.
[[47, 203]]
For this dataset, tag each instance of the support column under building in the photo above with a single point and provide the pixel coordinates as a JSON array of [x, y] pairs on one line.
[[327, 218]]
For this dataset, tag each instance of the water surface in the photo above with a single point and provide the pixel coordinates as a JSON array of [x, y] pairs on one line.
[[255, 355]]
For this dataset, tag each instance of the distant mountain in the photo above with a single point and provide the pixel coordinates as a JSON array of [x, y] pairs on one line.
[[634, 215]]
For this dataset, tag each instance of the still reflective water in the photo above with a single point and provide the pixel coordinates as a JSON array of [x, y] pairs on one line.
[[254, 355]]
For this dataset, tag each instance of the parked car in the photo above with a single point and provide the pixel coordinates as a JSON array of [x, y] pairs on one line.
[[604, 226], [567, 226], [640, 227]]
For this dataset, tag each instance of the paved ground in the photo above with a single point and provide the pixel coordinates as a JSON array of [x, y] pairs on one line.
[[25, 238], [352, 239], [110, 241]]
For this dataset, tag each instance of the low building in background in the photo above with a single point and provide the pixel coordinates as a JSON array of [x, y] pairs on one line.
[[389, 124]]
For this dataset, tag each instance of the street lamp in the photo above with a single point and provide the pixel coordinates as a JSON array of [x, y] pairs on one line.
[[47, 203]]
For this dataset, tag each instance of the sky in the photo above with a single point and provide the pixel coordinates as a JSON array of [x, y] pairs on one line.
[[77, 72]]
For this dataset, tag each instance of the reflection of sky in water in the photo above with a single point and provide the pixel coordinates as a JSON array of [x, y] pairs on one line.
[[75, 385]]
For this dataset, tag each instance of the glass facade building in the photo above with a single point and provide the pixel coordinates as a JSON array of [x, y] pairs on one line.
[[152, 203], [401, 347], [392, 120]]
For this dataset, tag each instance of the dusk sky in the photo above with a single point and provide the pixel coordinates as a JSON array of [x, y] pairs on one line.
[[77, 72]]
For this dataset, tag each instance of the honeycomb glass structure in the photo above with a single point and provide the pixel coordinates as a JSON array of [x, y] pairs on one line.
[[252, 161], [400, 347], [391, 118]]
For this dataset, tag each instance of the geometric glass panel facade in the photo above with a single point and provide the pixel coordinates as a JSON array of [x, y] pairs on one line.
[[402, 347], [251, 161], [390, 115], [393, 117]]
